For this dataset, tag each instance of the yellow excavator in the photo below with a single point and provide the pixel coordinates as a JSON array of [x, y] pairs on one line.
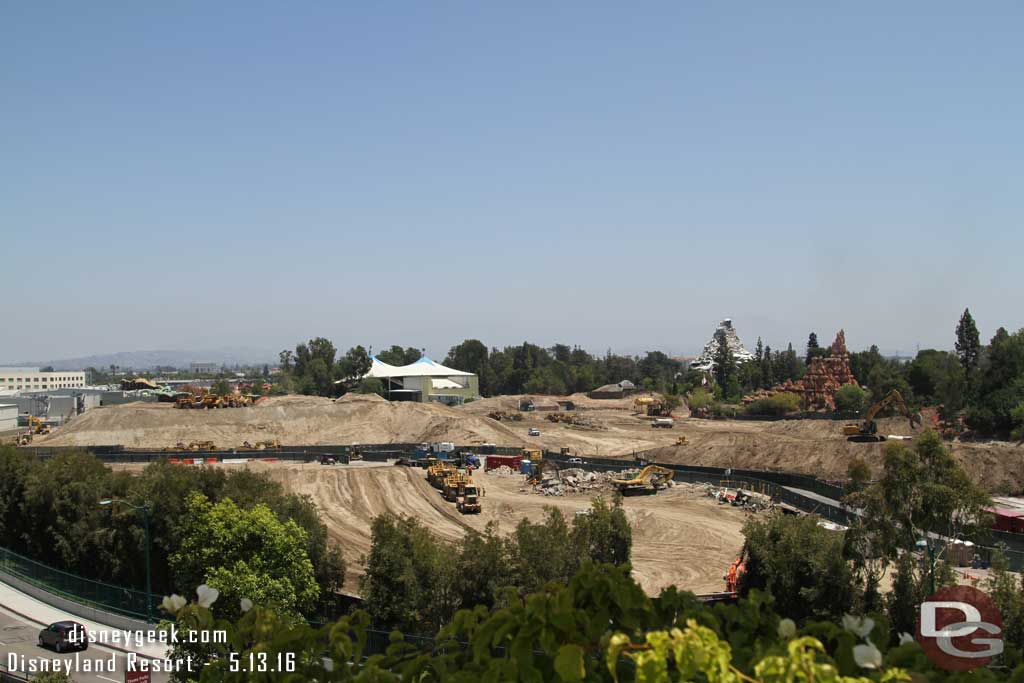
[[37, 426], [867, 431], [655, 476]]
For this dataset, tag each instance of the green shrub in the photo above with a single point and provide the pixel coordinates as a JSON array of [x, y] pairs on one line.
[[777, 405], [725, 410], [851, 398], [699, 399]]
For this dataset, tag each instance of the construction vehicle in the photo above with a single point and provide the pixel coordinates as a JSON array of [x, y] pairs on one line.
[[23, 439], [201, 446], [736, 569], [867, 431], [467, 500], [539, 468], [653, 476], [437, 473], [663, 423], [640, 404], [37, 426], [681, 441], [452, 482], [533, 454]]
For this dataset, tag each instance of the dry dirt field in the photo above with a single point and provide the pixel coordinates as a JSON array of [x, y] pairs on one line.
[[814, 447], [680, 536]]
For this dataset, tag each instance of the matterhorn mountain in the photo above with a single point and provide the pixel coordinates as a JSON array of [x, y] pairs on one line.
[[706, 360]]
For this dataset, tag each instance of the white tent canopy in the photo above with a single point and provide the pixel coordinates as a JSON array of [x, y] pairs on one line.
[[424, 367]]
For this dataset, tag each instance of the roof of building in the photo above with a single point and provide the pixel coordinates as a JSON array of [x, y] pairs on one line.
[[424, 367]]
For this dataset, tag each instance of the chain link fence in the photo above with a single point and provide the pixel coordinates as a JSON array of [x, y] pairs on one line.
[[104, 596]]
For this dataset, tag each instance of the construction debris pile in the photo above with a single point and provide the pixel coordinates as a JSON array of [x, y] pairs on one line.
[[825, 376], [738, 497], [574, 480], [500, 415], [573, 420], [210, 400]]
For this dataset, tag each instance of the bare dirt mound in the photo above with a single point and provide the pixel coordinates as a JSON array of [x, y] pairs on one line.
[[680, 537], [293, 420], [818, 448]]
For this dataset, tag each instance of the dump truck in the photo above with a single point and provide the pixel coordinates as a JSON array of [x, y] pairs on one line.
[[437, 473], [652, 478], [467, 501], [663, 422], [452, 482], [867, 431]]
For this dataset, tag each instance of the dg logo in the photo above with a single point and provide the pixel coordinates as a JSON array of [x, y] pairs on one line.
[[960, 628]]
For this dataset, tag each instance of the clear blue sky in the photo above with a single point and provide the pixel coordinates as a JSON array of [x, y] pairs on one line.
[[195, 174]]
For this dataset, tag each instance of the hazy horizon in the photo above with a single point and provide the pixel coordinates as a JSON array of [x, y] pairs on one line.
[[195, 177]]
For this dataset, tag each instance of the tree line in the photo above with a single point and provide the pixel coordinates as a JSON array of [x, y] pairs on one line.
[[236, 530], [416, 582]]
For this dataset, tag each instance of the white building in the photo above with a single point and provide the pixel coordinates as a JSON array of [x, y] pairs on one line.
[[425, 381], [8, 417], [32, 379]]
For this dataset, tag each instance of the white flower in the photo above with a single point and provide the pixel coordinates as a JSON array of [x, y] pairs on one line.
[[328, 664], [867, 656], [246, 604], [906, 638], [861, 626], [207, 595], [787, 629], [173, 603]]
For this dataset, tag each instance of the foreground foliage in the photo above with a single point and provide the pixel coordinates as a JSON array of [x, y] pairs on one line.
[[600, 626]]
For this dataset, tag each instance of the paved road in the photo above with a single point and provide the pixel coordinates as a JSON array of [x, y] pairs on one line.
[[19, 637]]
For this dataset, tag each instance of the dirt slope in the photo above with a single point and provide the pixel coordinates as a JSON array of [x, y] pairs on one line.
[[818, 448], [294, 420], [679, 536]]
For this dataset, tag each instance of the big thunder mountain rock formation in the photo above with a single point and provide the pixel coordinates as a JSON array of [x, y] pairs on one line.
[[825, 376]]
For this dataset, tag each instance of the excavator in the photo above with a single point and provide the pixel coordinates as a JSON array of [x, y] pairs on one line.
[[538, 468], [655, 476], [37, 426], [867, 431]]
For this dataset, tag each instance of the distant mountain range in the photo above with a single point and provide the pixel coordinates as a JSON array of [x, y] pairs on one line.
[[145, 360]]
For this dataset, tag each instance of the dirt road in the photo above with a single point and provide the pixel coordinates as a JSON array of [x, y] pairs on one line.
[[680, 537]]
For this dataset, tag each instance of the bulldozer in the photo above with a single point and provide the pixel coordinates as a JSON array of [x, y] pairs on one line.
[[653, 476], [867, 431]]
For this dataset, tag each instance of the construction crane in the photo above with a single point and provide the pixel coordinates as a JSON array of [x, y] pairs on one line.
[[867, 431], [655, 476]]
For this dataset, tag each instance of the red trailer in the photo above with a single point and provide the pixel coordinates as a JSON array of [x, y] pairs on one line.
[[1008, 519], [495, 461]]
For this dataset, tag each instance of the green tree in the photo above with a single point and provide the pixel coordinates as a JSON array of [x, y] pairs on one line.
[[1000, 385], [244, 553], [370, 385], [968, 342], [813, 348], [850, 398], [922, 492], [472, 356], [725, 367], [396, 355], [603, 534], [221, 387], [800, 563]]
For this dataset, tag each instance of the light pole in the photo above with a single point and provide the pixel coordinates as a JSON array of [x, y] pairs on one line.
[[149, 577], [923, 544]]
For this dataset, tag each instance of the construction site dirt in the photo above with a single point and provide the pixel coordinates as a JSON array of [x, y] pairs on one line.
[[609, 428], [681, 536]]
